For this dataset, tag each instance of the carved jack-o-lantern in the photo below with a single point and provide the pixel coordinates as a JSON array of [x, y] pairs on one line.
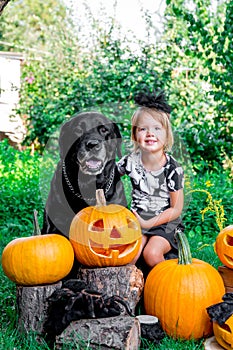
[[224, 246], [105, 235], [224, 333]]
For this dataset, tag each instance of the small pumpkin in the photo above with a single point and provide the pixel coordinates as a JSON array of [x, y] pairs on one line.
[[224, 246], [105, 235], [39, 259], [224, 333], [178, 291]]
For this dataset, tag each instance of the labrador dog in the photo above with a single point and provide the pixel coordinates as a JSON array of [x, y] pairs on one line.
[[88, 144]]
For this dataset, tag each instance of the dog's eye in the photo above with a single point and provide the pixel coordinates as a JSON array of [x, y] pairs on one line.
[[103, 129]]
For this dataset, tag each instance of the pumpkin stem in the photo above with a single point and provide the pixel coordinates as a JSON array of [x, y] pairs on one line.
[[37, 231], [184, 253], [100, 198]]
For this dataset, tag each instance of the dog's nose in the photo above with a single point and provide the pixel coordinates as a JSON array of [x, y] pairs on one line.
[[93, 143]]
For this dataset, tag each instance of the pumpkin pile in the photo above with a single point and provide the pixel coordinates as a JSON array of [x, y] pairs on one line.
[[38, 259], [224, 249], [105, 235], [178, 291]]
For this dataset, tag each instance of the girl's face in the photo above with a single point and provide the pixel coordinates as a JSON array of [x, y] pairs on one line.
[[150, 135]]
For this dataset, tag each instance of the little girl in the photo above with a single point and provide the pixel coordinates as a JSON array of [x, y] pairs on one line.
[[157, 179]]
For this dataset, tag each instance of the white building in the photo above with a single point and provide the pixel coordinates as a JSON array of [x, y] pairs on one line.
[[11, 125]]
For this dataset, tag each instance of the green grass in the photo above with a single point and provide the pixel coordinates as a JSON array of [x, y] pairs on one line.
[[20, 195]]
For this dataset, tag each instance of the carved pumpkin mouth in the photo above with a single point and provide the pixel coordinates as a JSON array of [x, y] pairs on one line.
[[115, 249], [228, 258], [223, 335]]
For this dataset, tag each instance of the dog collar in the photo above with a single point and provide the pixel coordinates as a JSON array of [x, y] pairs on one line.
[[77, 194]]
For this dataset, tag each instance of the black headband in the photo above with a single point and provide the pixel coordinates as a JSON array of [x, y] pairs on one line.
[[151, 100]]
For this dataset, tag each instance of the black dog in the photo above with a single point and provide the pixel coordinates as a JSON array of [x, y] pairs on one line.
[[88, 145]]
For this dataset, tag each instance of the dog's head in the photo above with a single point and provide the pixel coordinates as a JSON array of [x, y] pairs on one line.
[[90, 140]]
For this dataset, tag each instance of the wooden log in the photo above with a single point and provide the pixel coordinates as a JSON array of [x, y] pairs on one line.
[[118, 333], [126, 281], [33, 307], [227, 276]]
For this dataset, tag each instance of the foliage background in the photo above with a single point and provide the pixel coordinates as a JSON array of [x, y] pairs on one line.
[[191, 59]]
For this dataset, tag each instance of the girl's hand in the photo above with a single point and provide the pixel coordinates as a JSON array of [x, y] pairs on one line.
[[143, 223], [172, 213]]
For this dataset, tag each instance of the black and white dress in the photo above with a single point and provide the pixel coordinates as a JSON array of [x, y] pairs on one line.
[[151, 191]]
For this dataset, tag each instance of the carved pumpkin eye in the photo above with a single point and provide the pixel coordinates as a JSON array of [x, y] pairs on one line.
[[225, 327], [98, 225], [131, 223], [229, 240]]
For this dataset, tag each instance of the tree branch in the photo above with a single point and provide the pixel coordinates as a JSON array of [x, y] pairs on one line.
[[3, 3]]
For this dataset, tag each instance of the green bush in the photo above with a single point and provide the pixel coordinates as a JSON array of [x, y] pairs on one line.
[[19, 192]]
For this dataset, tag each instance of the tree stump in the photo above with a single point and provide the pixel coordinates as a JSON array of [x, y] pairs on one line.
[[32, 306], [227, 276], [126, 281], [118, 333]]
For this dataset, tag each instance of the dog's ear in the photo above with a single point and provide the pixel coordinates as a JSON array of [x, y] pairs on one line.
[[69, 133], [119, 139]]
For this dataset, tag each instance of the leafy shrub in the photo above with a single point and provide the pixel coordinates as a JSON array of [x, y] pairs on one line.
[[53, 91], [203, 230], [19, 192]]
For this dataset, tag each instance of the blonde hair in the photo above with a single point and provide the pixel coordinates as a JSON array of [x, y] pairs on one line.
[[162, 117]]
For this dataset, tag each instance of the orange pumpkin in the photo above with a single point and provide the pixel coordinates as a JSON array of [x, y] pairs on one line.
[[224, 333], [40, 259], [224, 246], [178, 291], [105, 235]]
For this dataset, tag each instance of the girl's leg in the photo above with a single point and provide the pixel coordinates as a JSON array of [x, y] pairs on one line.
[[144, 241], [155, 249]]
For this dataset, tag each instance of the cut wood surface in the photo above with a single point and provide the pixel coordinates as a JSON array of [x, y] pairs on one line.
[[118, 333], [227, 276]]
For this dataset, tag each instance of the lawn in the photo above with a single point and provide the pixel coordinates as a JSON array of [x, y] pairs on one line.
[[20, 195]]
